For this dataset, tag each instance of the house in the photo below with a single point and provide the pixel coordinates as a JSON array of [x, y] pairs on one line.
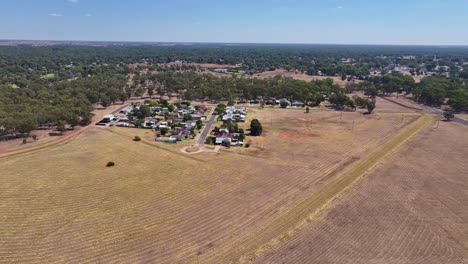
[[123, 124], [197, 116], [297, 103], [221, 70], [284, 100], [108, 118], [170, 139], [151, 123], [223, 139], [126, 111], [227, 117], [185, 133]]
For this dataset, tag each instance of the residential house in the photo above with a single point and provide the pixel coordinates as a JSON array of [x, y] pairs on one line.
[[223, 139], [297, 103]]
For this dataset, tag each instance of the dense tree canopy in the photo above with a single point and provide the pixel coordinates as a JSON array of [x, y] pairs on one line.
[[58, 84]]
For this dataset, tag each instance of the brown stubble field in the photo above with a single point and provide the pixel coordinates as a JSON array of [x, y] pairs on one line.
[[159, 205], [414, 209]]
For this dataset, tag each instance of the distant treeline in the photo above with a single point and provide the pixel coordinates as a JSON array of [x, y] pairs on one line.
[[254, 57], [54, 101], [432, 90], [57, 85]]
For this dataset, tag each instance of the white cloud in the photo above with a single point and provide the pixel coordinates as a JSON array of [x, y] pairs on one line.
[[88, 15], [55, 15], [340, 7], [73, 1]]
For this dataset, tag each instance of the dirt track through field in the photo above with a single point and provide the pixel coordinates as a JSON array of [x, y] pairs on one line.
[[257, 243]]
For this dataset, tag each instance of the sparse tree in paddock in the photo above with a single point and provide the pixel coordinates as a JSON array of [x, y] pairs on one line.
[[255, 128], [448, 115], [370, 106]]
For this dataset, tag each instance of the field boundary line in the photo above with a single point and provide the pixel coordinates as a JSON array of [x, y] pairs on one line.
[[247, 249], [401, 104]]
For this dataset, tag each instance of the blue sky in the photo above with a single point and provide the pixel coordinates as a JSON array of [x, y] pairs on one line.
[[425, 22]]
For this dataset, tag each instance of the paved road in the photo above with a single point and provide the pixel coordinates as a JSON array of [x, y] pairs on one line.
[[438, 112], [441, 113], [201, 140]]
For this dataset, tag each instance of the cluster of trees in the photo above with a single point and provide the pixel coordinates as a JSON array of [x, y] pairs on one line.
[[189, 86], [41, 102], [252, 57], [57, 85], [432, 90]]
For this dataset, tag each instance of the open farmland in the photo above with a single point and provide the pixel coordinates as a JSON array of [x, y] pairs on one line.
[[412, 210], [62, 204], [299, 76]]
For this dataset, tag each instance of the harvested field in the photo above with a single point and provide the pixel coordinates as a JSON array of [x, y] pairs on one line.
[[414, 209], [202, 65], [161, 205], [299, 76], [387, 106]]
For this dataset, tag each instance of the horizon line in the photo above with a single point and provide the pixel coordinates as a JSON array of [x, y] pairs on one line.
[[235, 43]]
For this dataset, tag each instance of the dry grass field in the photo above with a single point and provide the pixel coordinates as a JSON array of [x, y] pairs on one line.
[[159, 205], [299, 76], [414, 209]]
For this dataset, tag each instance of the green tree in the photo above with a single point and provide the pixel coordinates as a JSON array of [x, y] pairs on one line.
[[187, 117], [284, 104], [340, 100], [255, 128], [448, 115], [459, 99], [61, 126], [150, 91], [164, 130], [220, 109], [370, 106], [143, 112], [139, 122]]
